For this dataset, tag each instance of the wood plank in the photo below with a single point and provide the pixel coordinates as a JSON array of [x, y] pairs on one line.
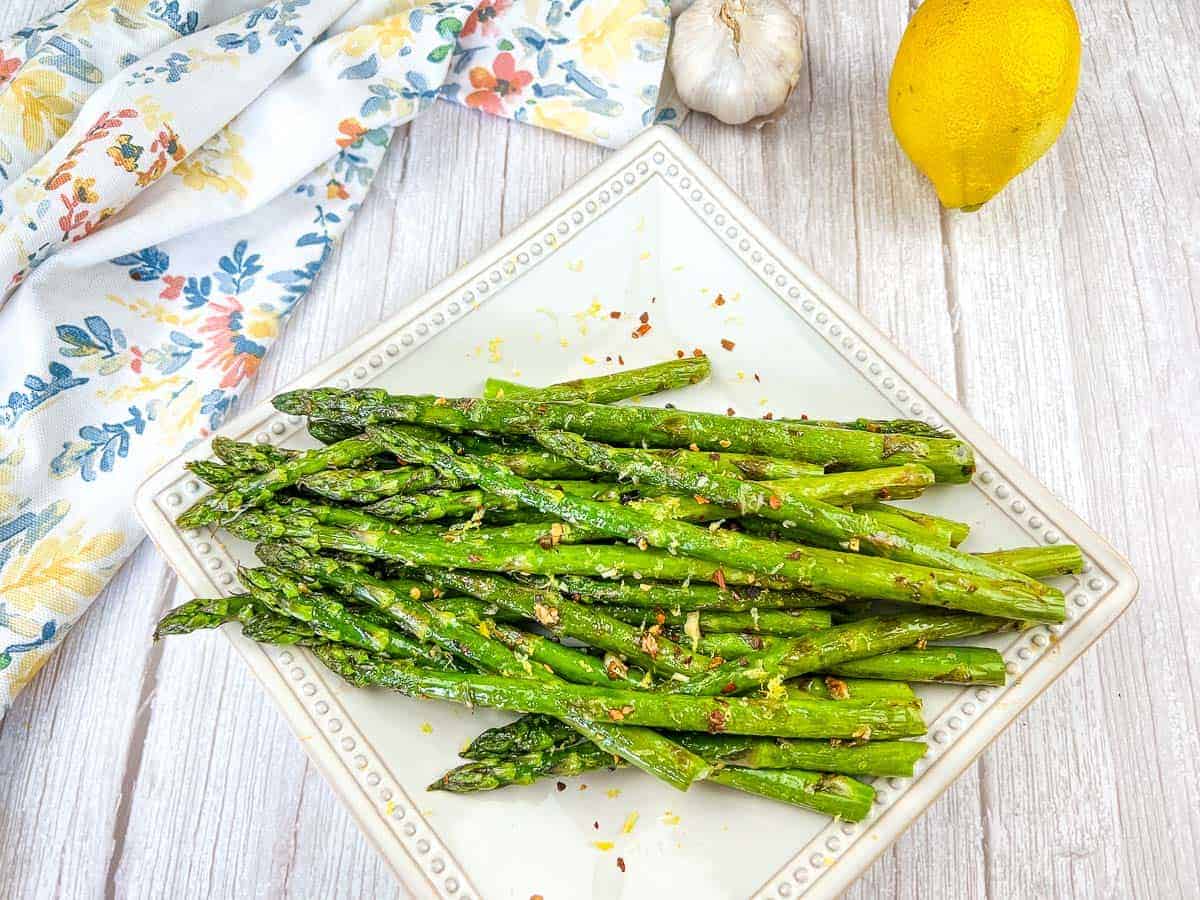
[[65, 746], [1073, 287]]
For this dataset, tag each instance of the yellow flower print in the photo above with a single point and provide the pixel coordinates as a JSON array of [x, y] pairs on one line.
[[262, 324], [60, 573], [84, 190], [125, 153], [35, 106], [24, 667], [387, 36], [87, 13], [219, 165], [559, 115], [608, 35]]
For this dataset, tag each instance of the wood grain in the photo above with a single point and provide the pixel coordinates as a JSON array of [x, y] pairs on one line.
[[1065, 315]]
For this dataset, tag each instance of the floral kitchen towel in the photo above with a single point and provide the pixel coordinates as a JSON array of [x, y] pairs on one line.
[[156, 228]]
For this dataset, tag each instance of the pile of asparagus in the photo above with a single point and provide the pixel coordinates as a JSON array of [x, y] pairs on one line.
[[701, 596]]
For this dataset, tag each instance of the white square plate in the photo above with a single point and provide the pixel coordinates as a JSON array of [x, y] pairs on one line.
[[653, 231]]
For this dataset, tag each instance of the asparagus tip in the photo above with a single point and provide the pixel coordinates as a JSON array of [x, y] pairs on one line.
[[295, 403]]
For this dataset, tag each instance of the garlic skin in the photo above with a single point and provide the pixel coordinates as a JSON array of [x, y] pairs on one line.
[[737, 60]]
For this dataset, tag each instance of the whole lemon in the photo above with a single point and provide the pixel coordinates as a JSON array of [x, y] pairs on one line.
[[981, 88]]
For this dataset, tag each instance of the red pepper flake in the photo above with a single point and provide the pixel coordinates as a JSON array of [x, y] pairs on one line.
[[621, 863], [620, 359], [697, 352], [774, 502], [803, 417], [720, 301], [536, 897], [756, 378], [727, 344], [730, 412], [596, 825], [644, 317], [679, 354], [642, 331], [719, 578], [796, 554], [716, 721], [701, 499], [561, 786], [583, 787], [694, 448], [608, 359], [728, 688], [615, 314], [769, 416]]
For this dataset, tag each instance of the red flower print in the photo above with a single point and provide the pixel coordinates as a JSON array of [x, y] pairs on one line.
[[174, 287], [352, 129], [484, 17], [228, 347], [505, 80], [10, 64]]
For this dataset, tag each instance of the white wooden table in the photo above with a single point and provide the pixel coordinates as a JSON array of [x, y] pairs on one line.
[[1065, 315]]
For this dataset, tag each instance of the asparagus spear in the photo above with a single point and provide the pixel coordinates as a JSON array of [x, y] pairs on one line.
[[500, 388], [834, 795], [818, 650], [531, 733], [651, 595], [1040, 562], [894, 758], [787, 503], [423, 550], [950, 460], [492, 773], [250, 457], [740, 465], [839, 488], [873, 758], [948, 531], [213, 474], [957, 665], [666, 376], [961, 665], [448, 504], [206, 612], [331, 432], [819, 570], [367, 485], [767, 621], [536, 733], [256, 489], [734, 644], [827, 687], [734, 715], [886, 426]]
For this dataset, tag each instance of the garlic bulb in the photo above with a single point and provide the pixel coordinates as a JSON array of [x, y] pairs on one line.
[[737, 60]]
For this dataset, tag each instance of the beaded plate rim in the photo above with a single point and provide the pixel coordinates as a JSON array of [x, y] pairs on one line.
[[836, 855]]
